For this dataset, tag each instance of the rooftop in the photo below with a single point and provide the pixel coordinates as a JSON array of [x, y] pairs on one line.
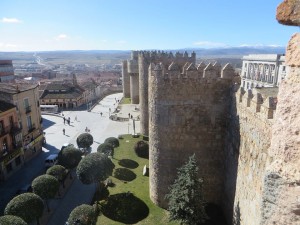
[[4, 106]]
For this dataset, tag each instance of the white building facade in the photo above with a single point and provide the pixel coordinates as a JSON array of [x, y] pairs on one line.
[[263, 70]]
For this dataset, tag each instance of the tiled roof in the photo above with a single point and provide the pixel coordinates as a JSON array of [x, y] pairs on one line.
[[4, 106], [16, 88], [61, 91]]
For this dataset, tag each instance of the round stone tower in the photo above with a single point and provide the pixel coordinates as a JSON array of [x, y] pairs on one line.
[[144, 62], [126, 80], [133, 71], [187, 115]]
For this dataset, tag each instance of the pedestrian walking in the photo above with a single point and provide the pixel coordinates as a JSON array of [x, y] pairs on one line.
[[64, 120], [75, 118], [101, 113], [69, 120], [64, 131]]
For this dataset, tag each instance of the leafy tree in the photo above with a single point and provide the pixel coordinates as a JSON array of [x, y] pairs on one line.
[[94, 167], [141, 149], [84, 140], [69, 157], [186, 202], [45, 186], [106, 149], [12, 220], [83, 215], [27, 206], [113, 141], [59, 172]]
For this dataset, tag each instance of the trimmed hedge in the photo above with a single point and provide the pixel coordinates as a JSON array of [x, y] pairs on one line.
[[83, 215], [106, 148], [141, 149], [113, 141]]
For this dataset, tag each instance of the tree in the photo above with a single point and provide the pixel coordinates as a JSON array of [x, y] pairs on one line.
[[45, 186], [106, 149], [185, 198], [69, 157], [83, 215], [27, 206], [59, 172], [94, 167], [84, 140], [141, 149], [12, 220], [113, 141]]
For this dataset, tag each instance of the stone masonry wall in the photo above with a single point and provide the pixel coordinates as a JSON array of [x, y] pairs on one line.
[[281, 194], [186, 117], [246, 162]]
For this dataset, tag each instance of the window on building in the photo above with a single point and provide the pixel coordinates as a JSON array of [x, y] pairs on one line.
[[1, 127], [29, 122], [16, 104], [26, 103], [4, 145]]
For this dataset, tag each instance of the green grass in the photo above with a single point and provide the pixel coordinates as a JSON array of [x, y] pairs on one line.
[[125, 101], [139, 187]]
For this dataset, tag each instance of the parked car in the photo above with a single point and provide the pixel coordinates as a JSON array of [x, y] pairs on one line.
[[51, 160]]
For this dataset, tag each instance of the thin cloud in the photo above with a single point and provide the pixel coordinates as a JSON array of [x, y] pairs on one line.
[[121, 42], [10, 20], [260, 45], [210, 44], [8, 46], [61, 37]]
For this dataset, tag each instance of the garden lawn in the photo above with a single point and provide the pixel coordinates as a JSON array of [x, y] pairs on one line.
[[139, 187], [125, 101]]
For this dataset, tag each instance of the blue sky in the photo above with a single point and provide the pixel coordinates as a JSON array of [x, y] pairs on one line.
[[37, 25]]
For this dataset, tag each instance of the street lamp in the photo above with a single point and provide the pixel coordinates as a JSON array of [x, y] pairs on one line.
[[128, 126]]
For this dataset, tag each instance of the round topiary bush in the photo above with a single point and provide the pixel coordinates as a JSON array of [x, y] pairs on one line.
[[84, 140], [83, 215], [12, 220], [141, 149], [27, 206], [113, 141], [106, 148]]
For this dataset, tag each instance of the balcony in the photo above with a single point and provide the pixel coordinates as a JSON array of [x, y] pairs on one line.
[[15, 129], [28, 109], [31, 128], [4, 131]]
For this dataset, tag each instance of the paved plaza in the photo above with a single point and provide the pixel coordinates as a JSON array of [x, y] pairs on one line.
[[100, 126]]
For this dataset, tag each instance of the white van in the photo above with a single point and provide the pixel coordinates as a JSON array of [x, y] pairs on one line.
[[51, 160]]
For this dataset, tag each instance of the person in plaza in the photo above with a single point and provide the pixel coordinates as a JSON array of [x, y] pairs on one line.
[[64, 131], [64, 120], [75, 118], [69, 120], [101, 113]]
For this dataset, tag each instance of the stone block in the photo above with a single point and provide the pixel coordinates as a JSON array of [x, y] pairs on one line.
[[288, 12]]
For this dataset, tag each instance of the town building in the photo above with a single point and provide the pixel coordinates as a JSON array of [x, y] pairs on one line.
[[26, 99], [6, 71], [263, 70], [11, 147]]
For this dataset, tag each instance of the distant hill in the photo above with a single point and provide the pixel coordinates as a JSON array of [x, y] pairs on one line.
[[116, 56]]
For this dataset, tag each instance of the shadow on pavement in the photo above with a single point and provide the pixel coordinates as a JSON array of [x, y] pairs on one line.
[[50, 148], [47, 123]]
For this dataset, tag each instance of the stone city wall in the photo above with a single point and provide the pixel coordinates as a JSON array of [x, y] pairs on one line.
[[186, 114], [255, 111]]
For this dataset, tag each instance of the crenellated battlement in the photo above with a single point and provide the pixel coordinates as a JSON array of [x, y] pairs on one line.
[[190, 70], [262, 101]]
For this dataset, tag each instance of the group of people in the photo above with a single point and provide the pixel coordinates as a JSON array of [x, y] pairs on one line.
[[67, 120]]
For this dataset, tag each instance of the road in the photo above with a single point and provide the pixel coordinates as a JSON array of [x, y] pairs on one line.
[[101, 127]]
